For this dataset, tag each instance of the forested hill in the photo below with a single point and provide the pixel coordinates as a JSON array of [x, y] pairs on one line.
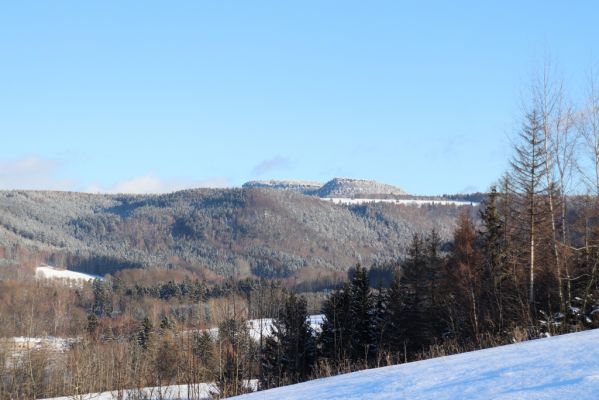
[[241, 232]]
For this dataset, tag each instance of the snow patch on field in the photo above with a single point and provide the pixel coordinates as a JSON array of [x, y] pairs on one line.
[[197, 391], [49, 342], [200, 391], [417, 202], [49, 272], [560, 367], [264, 326]]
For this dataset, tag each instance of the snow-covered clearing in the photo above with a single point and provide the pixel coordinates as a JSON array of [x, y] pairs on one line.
[[417, 202], [263, 326], [29, 343], [49, 272], [561, 367]]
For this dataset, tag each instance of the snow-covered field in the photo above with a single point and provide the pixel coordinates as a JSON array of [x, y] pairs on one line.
[[198, 391], [264, 325], [48, 272], [417, 202], [29, 343], [561, 367]]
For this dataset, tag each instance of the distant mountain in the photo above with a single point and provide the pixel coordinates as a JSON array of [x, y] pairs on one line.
[[241, 232], [305, 187], [337, 187], [350, 188]]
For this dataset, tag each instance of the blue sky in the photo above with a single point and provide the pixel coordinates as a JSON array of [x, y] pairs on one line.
[[156, 96]]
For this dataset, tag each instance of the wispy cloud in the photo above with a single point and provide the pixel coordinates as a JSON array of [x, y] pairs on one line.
[[33, 172], [270, 165], [469, 189], [151, 183]]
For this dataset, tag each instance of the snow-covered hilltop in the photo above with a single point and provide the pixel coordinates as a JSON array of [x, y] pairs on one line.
[[337, 187], [562, 367], [305, 187], [350, 188], [349, 191]]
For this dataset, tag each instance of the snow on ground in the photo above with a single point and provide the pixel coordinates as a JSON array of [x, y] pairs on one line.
[[49, 342], [198, 391], [265, 325], [49, 272], [418, 202], [561, 367]]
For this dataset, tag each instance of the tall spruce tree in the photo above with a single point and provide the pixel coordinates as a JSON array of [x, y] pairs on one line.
[[363, 339], [394, 335], [289, 355], [529, 176], [381, 319], [144, 336], [336, 331], [417, 318], [495, 271]]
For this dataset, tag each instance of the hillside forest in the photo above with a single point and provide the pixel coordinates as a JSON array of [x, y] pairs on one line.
[[521, 266]]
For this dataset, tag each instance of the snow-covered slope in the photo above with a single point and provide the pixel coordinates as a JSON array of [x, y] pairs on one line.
[[49, 272], [417, 202], [305, 187], [563, 367], [349, 188]]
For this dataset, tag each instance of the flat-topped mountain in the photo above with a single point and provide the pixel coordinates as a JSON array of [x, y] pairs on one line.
[[346, 187], [304, 187], [337, 187]]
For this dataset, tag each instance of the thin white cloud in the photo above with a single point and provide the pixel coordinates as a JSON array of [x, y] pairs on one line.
[[151, 183], [33, 173], [271, 164], [469, 189]]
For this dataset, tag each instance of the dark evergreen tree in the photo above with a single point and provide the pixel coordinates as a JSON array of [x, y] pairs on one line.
[[167, 324], [102, 297], [496, 285], [144, 336], [336, 327], [92, 325], [380, 320], [289, 354], [362, 339], [394, 335], [418, 317], [203, 347]]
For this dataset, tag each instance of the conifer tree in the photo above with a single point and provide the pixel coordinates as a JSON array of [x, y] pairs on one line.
[[394, 335], [495, 272], [145, 334], [289, 353], [528, 173], [417, 317], [381, 320], [336, 327], [362, 339]]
